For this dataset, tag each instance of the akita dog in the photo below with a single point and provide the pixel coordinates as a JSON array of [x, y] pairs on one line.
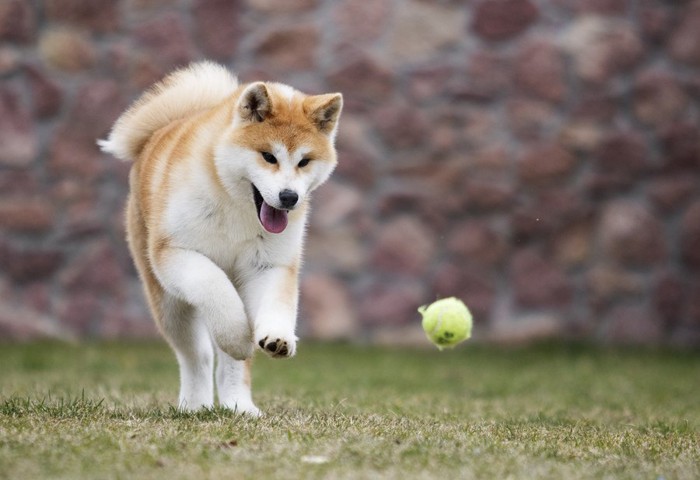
[[218, 202]]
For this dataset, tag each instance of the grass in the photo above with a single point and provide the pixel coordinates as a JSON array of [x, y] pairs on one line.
[[337, 411]]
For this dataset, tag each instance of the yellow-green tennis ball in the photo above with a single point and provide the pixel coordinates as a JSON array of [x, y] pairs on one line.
[[447, 322]]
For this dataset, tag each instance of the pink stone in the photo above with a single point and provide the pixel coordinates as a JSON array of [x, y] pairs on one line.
[[503, 19], [488, 75], [685, 37], [581, 136], [46, 93], [548, 212], [530, 119], [401, 125], [623, 152], [282, 6], [19, 143], [693, 296], [601, 6], [419, 31], [631, 234], [217, 25], [290, 48], [670, 192], [680, 142], [119, 321], [545, 163], [432, 205], [18, 182], [574, 244], [73, 149], [30, 264], [335, 204], [23, 214], [539, 71], [340, 249], [97, 16], [166, 41], [356, 166], [597, 107], [528, 223], [480, 127], [633, 325], [431, 82], [82, 219], [539, 283], [404, 245], [9, 60], [67, 49], [492, 159], [477, 242], [79, 311], [70, 156], [605, 284], [606, 184], [98, 270], [657, 98], [489, 194], [363, 80], [690, 236], [97, 106], [668, 298], [360, 22], [602, 48], [20, 323], [656, 23], [358, 155], [391, 303], [17, 21], [328, 312]]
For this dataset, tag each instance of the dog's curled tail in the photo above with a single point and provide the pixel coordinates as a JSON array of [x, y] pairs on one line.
[[191, 89]]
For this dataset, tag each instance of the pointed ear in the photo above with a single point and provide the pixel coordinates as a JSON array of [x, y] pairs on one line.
[[254, 104], [324, 111]]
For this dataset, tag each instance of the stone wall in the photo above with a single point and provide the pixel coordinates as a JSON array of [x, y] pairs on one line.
[[538, 158]]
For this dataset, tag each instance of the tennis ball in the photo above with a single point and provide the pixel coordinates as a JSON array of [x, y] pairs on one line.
[[446, 322]]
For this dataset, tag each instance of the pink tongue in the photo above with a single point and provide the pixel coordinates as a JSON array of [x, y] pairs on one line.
[[274, 221]]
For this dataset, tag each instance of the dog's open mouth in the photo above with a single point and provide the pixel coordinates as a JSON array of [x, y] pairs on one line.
[[272, 219]]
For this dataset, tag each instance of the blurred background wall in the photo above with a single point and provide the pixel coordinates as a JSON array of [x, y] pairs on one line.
[[538, 158]]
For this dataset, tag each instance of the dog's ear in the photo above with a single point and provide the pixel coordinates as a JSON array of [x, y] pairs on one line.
[[324, 111], [254, 104]]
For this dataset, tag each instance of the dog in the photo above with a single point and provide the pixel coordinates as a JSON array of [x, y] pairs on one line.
[[219, 198]]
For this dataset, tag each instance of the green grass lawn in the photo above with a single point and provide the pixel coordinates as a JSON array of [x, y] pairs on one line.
[[337, 411]]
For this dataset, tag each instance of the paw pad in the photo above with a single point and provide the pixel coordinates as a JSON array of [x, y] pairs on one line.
[[275, 347]]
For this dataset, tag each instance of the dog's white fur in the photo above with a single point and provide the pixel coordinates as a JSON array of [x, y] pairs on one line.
[[217, 280]]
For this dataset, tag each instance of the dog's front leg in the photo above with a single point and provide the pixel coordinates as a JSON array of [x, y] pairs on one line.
[[273, 296], [194, 278]]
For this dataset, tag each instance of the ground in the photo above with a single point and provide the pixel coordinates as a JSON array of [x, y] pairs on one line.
[[339, 411]]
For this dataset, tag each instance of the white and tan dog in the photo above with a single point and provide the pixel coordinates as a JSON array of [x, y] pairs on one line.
[[219, 194]]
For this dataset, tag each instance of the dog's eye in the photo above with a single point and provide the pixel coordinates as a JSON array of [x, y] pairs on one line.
[[304, 162], [268, 157]]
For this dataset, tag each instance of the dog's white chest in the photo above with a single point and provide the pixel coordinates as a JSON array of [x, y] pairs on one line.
[[221, 231]]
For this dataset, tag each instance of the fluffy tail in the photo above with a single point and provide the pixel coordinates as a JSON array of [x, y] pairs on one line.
[[183, 92]]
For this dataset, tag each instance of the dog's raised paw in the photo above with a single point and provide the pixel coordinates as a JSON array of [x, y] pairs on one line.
[[277, 347]]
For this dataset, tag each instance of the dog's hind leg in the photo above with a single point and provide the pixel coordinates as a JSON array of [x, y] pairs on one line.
[[189, 337], [233, 384]]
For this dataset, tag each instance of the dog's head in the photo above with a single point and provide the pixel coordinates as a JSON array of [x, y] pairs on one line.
[[281, 142]]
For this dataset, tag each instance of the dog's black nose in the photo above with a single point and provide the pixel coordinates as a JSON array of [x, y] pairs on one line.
[[288, 198]]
